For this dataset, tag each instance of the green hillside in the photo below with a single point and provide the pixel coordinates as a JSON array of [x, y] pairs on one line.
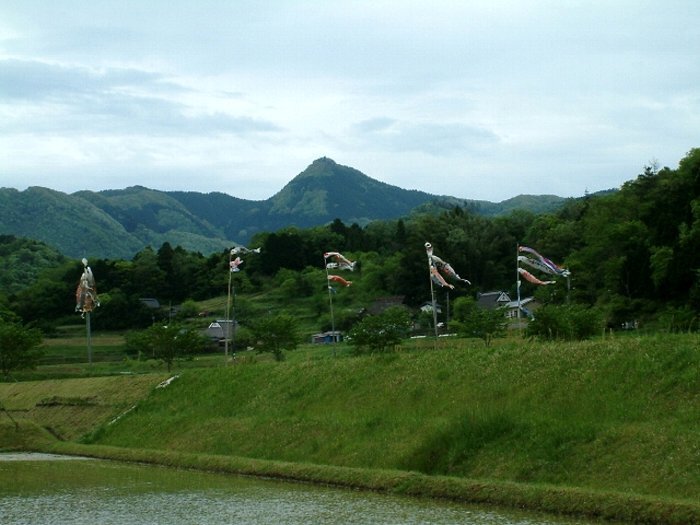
[[119, 223], [71, 224], [23, 260], [326, 190], [616, 415]]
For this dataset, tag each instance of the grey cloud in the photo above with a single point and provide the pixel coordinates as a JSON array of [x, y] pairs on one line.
[[433, 138], [32, 80], [117, 100], [373, 125]]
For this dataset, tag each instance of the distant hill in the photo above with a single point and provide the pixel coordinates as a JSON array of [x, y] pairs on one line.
[[321, 193], [22, 261], [119, 223]]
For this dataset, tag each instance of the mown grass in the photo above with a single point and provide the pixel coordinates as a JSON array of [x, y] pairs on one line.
[[615, 414]]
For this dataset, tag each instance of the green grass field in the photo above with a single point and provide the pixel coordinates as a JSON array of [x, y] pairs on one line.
[[616, 415]]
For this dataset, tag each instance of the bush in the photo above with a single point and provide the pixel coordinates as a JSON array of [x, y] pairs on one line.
[[19, 347], [470, 320], [569, 322], [274, 334], [167, 343], [188, 309], [379, 333], [242, 338], [683, 319]]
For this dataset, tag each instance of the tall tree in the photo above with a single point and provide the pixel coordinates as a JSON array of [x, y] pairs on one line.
[[146, 278], [19, 347], [469, 320], [166, 343], [275, 334]]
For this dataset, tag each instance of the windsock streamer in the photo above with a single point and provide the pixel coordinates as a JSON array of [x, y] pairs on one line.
[[338, 261], [235, 263], [439, 279], [531, 278], [244, 250], [440, 268], [338, 279], [536, 264], [551, 268], [86, 293]]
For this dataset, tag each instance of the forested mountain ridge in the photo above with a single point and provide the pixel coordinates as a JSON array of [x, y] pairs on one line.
[[69, 223], [119, 223], [633, 255], [23, 260]]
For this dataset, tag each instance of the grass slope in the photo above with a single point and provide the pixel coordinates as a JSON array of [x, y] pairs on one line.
[[69, 408], [611, 415]]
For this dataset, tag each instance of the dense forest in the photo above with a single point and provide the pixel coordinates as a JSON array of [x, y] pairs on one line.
[[634, 254]]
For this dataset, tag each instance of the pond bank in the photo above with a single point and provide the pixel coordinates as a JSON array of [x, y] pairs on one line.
[[36, 456], [88, 491], [556, 500]]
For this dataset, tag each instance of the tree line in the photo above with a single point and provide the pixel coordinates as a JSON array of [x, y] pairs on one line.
[[633, 253]]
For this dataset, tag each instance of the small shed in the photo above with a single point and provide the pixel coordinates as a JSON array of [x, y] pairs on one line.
[[492, 300], [150, 302], [527, 305], [327, 337], [220, 329]]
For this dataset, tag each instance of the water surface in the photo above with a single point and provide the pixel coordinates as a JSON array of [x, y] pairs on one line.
[[39, 490]]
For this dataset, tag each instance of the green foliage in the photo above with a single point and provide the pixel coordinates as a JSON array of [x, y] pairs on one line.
[[275, 334], [381, 332], [683, 319], [7, 315], [166, 343], [50, 297], [567, 322], [632, 253], [23, 260], [291, 284], [119, 311], [18, 347], [243, 338], [469, 320], [74, 226], [188, 309], [137, 344]]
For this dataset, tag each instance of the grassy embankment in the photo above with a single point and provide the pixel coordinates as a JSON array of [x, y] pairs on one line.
[[70, 408], [604, 428]]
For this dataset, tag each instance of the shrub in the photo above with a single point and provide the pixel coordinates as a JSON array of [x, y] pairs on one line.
[[568, 322], [472, 321], [19, 347], [167, 343], [188, 309], [243, 338], [378, 333], [683, 319], [274, 334]]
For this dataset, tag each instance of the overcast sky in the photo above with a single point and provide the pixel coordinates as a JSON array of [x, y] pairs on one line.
[[474, 99]]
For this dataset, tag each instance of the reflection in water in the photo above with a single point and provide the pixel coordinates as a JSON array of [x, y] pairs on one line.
[[102, 492]]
